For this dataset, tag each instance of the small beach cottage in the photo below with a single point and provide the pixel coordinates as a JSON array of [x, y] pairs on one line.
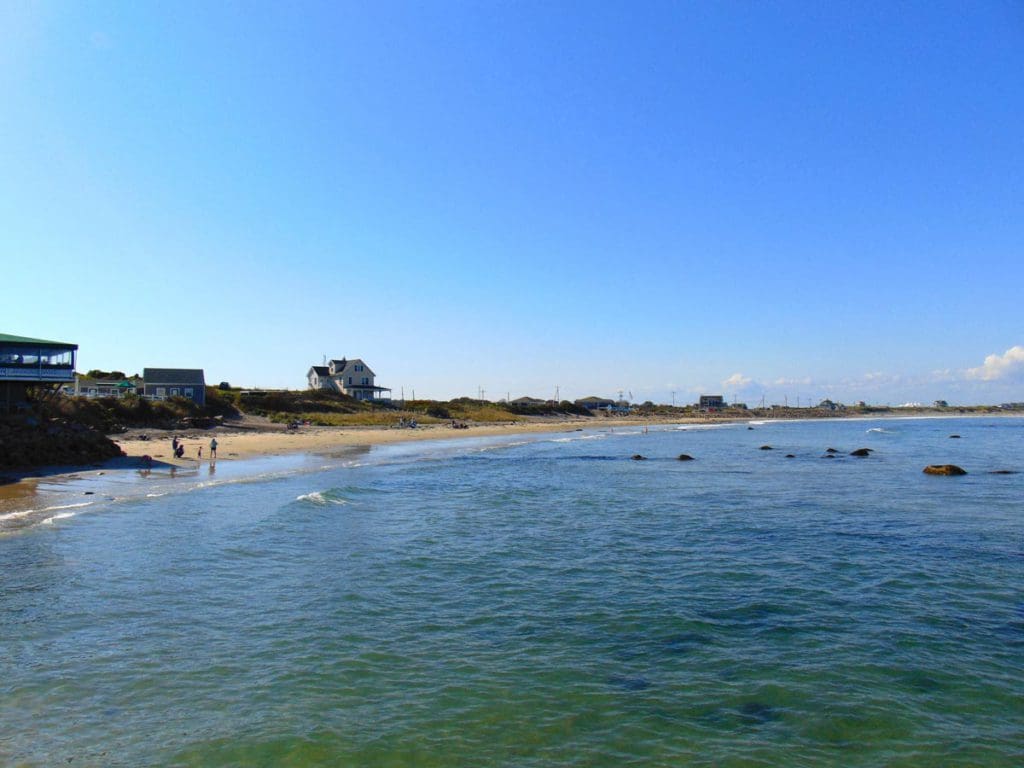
[[349, 377], [162, 383]]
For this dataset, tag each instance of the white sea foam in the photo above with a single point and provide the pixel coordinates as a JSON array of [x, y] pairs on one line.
[[61, 516], [18, 514], [320, 498], [577, 438], [68, 506]]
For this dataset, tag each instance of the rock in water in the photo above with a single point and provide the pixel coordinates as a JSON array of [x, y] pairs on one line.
[[766, 448], [831, 450], [638, 457], [954, 437], [944, 469], [685, 457], [790, 456], [861, 452]]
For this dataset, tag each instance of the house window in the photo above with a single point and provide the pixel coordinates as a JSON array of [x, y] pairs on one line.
[[350, 381], [188, 391], [161, 392], [366, 381], [175, 391]]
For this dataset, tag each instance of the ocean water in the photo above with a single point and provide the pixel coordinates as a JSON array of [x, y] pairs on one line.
[[533, 602]]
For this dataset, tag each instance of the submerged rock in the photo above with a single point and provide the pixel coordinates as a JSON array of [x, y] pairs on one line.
[[638, 457], [861, 452], [954, 437], [766, 448], [831, 450], [790, 456], [1004, 472], [629, 683], [944, 469], [685, 457]]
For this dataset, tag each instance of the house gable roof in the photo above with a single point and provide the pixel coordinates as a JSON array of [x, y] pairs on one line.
[[348, 364], [320, 370], [173, 376]]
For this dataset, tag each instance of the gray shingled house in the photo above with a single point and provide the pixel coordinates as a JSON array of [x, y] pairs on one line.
[[162, 383]]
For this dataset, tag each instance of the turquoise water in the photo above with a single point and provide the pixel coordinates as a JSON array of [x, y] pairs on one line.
[[544, 603]]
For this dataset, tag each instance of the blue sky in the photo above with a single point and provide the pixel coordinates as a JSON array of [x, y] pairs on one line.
[[759, 199]]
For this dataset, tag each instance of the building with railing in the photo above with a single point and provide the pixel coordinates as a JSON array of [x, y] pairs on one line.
[[27, 362]]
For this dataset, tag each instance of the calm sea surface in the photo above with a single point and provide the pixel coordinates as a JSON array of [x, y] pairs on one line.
[[550, 602]]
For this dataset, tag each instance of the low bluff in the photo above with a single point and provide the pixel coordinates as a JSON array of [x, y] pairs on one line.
[[27, 441]]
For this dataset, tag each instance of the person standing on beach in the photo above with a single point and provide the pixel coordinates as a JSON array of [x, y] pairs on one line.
[[200, 451], [174, 446], [213, 448]]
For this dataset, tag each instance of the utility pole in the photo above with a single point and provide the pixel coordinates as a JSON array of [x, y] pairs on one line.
[[557, 399], [673, 398]]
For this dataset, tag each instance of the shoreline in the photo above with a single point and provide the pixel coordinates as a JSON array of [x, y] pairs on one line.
[[247, 453], [42, 493]]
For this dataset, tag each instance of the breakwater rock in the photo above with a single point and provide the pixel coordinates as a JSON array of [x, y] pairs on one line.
[[27, 441], [944, 469]]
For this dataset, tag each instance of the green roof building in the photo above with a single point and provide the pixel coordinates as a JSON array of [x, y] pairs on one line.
[[27, 362]]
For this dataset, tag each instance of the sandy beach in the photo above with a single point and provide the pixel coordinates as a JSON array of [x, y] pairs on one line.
[[273, 440]]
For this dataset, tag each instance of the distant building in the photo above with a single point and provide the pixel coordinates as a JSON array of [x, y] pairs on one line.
[[594, 403], [86, 387], [26, 362], [349, 377], [828, 405], [162, 383], [529, 402], [711, 402], [940, 404]]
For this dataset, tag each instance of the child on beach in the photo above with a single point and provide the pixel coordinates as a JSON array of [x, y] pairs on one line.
[[213, 448]]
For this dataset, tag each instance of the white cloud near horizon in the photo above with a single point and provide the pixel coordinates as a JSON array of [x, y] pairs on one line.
[[1008, 365], [737, 381]]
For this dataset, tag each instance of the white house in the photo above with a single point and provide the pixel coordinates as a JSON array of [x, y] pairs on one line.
[[349, 377]]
